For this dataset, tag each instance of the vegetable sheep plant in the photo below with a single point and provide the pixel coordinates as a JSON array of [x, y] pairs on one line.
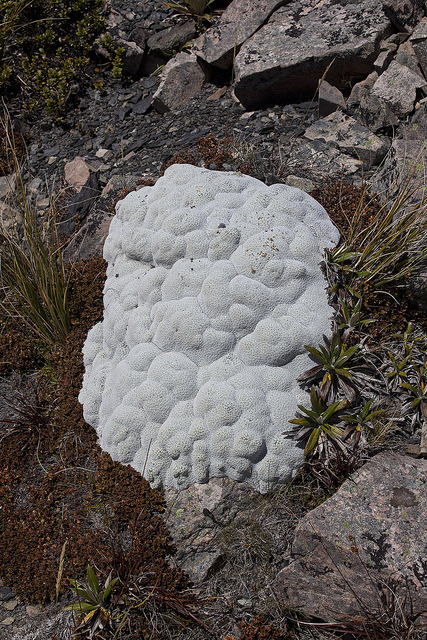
[[208, 305]]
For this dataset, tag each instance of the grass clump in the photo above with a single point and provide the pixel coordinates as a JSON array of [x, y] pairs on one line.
[[32, 270]]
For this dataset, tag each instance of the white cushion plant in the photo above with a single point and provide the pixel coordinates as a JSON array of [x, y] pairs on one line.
[[213, 289]]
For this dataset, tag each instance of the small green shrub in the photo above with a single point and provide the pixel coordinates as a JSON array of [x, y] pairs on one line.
[[44, 48]]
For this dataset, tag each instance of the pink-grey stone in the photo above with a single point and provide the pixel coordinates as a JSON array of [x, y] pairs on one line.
[[77, 173], [183, 78], [168, 41], [360, 89], [419, 43], [286, 58], [398, 87], [240, 20], [330, 99], [406, 56], [370, 534], [405, 14], [383, 60], [350, 137]]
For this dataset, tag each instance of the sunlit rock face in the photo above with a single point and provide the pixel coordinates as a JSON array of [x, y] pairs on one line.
[[213, 289]]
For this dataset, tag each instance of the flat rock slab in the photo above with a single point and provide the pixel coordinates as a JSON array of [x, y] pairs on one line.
[[238, 22], [285, 59], [194, 517], [350, 137], [370, 534]]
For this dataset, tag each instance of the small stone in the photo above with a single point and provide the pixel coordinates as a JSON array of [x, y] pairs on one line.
[[52, 160], [7, 185], [32, 612], [218, 93], [43, 204], [104, 154], [383, 60], [419, 43], [77, 173], [8, 621], [11, 604], [330, 99], [412, 450], [300, 183], [398, 86], [245, 603]]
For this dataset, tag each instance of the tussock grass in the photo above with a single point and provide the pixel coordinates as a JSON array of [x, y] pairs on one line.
[[32, 271], [392, 248]]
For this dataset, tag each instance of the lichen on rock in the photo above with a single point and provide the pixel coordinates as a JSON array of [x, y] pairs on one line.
[[213, 289]]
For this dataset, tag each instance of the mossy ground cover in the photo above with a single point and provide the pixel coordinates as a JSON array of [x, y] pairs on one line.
[[56, 485]]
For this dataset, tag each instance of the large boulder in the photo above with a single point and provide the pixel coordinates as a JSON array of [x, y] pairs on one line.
[[284, 60], [365, 543], [397, 86], [242, 18], [213, 289]]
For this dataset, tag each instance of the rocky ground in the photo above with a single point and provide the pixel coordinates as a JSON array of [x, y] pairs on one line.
[[115, 138]]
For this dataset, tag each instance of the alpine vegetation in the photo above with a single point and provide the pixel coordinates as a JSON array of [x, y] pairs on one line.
[[213, 289]]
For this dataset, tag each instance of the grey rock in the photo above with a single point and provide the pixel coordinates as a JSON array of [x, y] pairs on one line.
[[166, 42], [182, 80], [360, 89], [240, 20], [405, 14], [194, 517], [383, 60], [318, 161], [350, 137], [375, 114], [139, 35], [406, 56], [405, 162], [6, 593], [143, 105], [365, 540], [300, 183], [80, 205], [133, 57], [419, 43], [7, 185], [416, 129], [330, 99], [286, 58], [398, 87]]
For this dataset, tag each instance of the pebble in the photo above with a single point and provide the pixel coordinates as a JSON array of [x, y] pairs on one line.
[[8, 621], [10, 605]]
